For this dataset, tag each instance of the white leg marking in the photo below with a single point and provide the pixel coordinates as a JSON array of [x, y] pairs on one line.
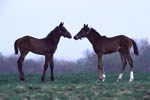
[[120, 77], [104, 76], [131, 76]]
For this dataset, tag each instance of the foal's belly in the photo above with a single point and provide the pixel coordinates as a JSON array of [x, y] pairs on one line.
[[111, 50], [43, 52]]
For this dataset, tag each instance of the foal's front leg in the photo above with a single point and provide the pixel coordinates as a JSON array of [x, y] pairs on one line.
[[51, 67], [45, 68], [102, 75]]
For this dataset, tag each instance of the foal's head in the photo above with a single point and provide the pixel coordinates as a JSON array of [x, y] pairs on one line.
[[83, 32], [63, 31]]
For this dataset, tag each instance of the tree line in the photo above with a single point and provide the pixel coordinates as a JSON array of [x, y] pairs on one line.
[[111, 62]]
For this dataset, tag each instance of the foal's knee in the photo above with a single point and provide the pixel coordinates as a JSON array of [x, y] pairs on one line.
[[20, 60]]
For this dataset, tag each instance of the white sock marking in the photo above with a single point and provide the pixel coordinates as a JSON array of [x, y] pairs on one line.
[[131, 76], [120, 76], [104, 76]]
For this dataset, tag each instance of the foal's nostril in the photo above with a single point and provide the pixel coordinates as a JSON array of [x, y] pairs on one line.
[[70, 36]]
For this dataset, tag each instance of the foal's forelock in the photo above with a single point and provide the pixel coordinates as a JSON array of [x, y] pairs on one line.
[[89, 31], [85, 34]]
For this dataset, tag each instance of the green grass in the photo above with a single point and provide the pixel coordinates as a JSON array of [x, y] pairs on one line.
[[75, 86]]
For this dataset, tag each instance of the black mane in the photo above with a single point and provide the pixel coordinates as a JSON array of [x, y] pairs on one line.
[[96, 33], [51, 33]]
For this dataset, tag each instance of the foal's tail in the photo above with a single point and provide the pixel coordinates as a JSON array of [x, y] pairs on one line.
[[136, 52], [15, 47]]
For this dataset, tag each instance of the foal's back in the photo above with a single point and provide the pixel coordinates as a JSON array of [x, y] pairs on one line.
[[112, 44], [28, 43]]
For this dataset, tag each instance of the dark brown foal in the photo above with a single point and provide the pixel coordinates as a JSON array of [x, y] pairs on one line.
[[46, 46], [103, 45]]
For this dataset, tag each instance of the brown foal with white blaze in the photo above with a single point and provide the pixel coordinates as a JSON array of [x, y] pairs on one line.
[[103, 45], [45, 46]]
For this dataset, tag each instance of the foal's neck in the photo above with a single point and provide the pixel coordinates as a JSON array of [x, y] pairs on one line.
[[53, 37], [93, 37]]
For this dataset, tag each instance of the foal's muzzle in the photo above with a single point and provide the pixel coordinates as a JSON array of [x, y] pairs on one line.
[[69, 36], [76, 37]]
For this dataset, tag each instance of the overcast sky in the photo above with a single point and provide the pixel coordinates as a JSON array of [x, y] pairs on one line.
[[38, 17]]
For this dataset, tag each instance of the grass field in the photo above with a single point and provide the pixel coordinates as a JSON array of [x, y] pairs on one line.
[[75, 86]]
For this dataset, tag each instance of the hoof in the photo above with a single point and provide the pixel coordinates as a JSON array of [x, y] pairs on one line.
[[118, 80], [42, 79], [131, 80], [103, 80], [52, 79], [100, 79], [22, 79]]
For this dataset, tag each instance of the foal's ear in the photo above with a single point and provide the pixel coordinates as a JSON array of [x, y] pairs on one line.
[[85, 25], [61, 24]]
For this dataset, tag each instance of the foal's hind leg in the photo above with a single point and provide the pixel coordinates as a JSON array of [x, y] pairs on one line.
[[131, 67], [45, 68], [20, 64], [124, 63]]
